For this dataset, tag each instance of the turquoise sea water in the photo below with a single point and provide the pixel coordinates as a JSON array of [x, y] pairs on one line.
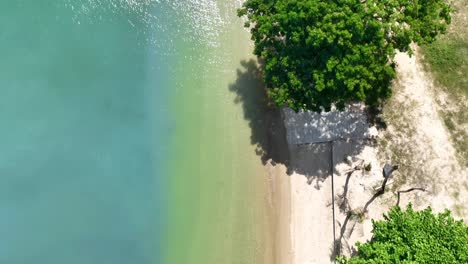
[[117, 143], [80, 155]]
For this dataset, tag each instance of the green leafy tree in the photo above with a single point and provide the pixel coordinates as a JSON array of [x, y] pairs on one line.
[[317, 53], [414, 237]]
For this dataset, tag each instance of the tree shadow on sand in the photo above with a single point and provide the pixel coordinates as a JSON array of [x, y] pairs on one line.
[[268, 134]]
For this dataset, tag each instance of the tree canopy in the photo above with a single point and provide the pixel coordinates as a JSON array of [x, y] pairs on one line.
[[414, 237], [320, 53]]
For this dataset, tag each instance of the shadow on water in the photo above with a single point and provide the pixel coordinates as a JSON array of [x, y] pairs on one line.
[[268, 133], [267, 129]]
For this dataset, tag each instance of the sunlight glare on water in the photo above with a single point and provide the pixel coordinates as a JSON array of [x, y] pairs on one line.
[[191, 20]]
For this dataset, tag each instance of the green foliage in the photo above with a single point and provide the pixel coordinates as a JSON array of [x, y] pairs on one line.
[[414, 237], [319, 53]]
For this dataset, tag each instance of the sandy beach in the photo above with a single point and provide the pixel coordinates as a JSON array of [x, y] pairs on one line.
[[279, 204]]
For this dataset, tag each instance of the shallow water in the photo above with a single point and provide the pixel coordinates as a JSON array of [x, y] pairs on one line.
[[121, 142]]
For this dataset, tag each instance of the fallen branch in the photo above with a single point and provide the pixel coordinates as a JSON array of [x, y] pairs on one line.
[[406, 191], [344, 203], [386, 172]]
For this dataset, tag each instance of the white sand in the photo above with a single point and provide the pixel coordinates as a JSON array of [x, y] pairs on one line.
[[311, 225]]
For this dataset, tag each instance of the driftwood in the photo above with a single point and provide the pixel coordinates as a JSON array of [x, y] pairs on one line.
[[344, 205], [407, 191], [386, 173]]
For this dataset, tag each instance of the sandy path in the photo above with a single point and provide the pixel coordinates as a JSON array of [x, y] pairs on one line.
[[427, 135]]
